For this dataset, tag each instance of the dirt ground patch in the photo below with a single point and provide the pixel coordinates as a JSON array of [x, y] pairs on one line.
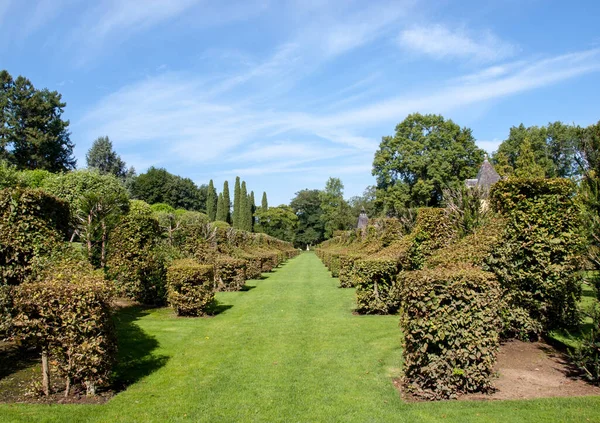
[[529, 370]]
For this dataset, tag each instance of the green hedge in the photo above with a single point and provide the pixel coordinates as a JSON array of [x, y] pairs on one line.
[[67, 316], [433, 230], [134, 262], [32, 224], [450, 324], [190, 287], [230, 274], [376, 288], [538, 258]]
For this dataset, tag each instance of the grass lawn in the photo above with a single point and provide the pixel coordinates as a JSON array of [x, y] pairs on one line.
[[287, 349]]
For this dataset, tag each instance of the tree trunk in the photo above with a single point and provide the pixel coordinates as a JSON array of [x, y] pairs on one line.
[[103, 252], [45, 374], [89, 235]]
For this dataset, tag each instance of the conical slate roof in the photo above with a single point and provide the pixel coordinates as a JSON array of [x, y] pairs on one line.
[[487, 175]]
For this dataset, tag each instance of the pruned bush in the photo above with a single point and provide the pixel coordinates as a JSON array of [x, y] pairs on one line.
[[376, 286], [190, 287], [433, 230], [134, 262], [32, 223], [450, 324], [346, 272], [230, 273], [538, 258], [67, 316], [586, 356]]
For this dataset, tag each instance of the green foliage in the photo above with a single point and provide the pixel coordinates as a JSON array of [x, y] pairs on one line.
[[220, 224], [190, 287], [264, 203], [307, 206], [67, 315], [133, 261], [433, 230], [586, 356], [538, 258], [32, 224], [226, 212], [34, 178], [335, 211], [139, 208], [33, 134], [230, 273], [236, 218], [211, 201], [160, 186], [104, 159], [467, 209], [376, 286], [551, 151], [162, 208], [450, 323], [426, 155], [280, 222]]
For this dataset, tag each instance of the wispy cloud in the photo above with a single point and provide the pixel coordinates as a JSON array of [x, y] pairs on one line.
[[441, 42]]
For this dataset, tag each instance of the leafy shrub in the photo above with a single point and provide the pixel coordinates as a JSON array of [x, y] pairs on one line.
[[134, 262], [190, 287], [32, 223], [6, 310], [346, 272], [376, 286], [433, 230], [139, 208], [220, 224], [450, 323], [34, 178], [538, 258], [162, 207], [586, 356], [67, 316], [230, 273], [467, 208]]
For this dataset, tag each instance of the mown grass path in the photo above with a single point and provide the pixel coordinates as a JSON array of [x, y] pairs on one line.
[[288, 349]]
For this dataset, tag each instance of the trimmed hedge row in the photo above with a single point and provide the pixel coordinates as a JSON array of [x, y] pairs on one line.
[[230, 274], [450, 322], [190, 287]]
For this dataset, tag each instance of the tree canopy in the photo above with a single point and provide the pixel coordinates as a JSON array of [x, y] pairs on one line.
[[427, 154], [307, 206], [33, 134], [103, 158], [280, 222]]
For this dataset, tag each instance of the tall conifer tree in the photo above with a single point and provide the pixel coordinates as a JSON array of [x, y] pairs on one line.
[[265, 203], [236, 204], [211, 201], [227, 202], [252, 205], [243, 214]]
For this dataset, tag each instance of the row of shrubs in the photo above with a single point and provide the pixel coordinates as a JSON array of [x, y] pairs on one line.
[[515, 275], [52, 298]]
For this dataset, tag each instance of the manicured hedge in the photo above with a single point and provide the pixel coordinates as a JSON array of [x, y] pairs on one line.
[[67, 316], [433, 230], [134, 262], [376, 288], [190, 287], [32, 224], [538, 258], [230, 273], [450, 324]]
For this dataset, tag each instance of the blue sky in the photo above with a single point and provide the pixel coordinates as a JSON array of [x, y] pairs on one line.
[[287, 93]]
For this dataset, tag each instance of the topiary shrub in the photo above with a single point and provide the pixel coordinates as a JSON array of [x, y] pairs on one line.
[[538, 257], [433, 230], [190, 287], [67, 315], [230, 273], [134, 262], [32, 224], [450, 324], [346, 272], [376, 287]]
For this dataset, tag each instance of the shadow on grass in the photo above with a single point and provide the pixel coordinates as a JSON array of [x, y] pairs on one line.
[[247, 287], [135, 358], [217, 308], [14, 358]]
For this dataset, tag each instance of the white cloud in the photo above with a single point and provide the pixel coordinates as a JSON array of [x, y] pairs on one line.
[[440, 42]]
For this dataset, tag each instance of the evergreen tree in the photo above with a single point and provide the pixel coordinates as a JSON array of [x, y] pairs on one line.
[[102, 157], [244, 202], [211, 201], [252, 205], [221, 209], [32, 132], [236, 204], [226, 202], [526, 164], [265, 203]]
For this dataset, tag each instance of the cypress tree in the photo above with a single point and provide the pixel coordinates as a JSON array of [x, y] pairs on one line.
[[243, 213], [211, 201], [265, 204], [252, 205], [227, 202], [237, 204], [221, 212]]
